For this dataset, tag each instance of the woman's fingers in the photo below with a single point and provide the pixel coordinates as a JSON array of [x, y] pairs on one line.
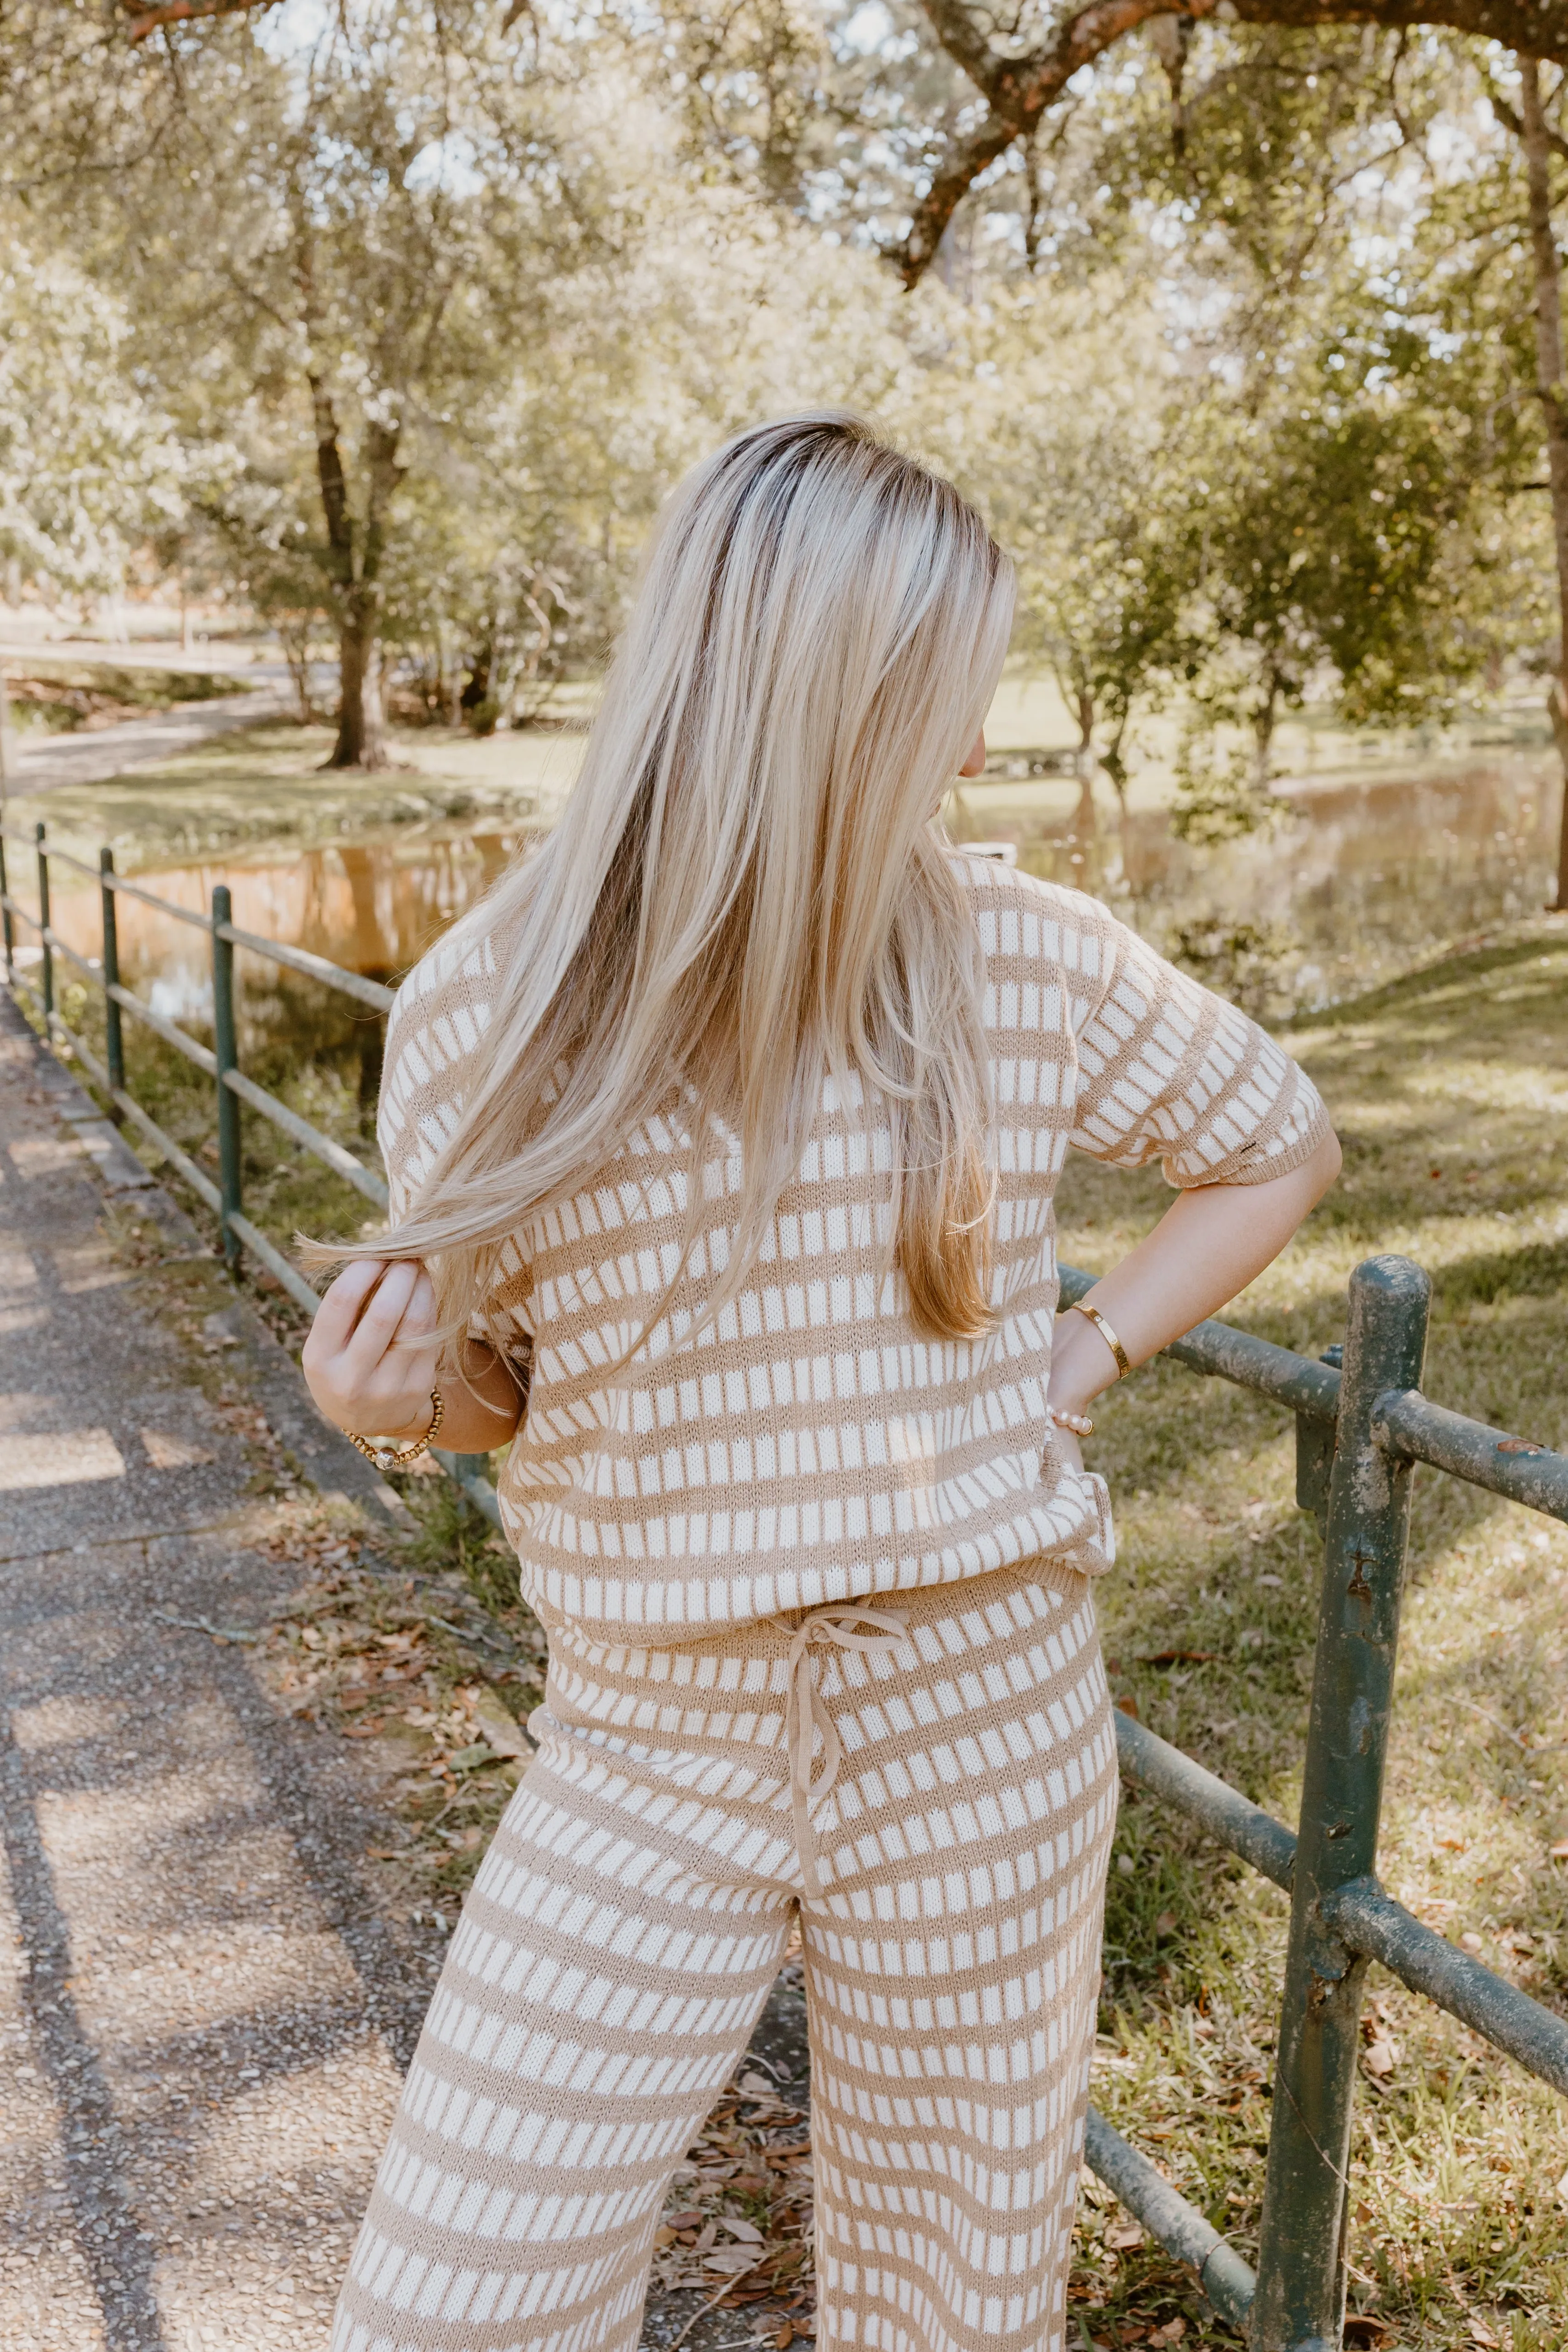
[[417, 1329], [372, 1357], [377, 1326], [340, 1309]]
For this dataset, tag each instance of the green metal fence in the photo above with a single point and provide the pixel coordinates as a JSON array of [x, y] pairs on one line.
[[1361, 1424], [226, 1199]]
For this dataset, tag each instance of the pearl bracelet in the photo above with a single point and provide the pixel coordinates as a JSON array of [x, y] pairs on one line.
[[1079, 1422]]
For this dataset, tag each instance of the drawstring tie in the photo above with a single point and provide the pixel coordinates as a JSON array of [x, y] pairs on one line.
[[826, 1628]]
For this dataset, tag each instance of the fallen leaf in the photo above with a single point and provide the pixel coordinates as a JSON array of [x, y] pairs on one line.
[[1380, 2058], [747, 2232], [1558, 1851], [1484, 2335], [1122, 2236], [755, 2086], [365, 1728], [501, 1726], [1563, 2191], [730, 2260], [468, 1759], [166, 1452], [1470, 1942]]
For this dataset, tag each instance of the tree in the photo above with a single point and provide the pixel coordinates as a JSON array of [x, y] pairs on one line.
[[1089, 495], [1540, 142], [1020, 84], [361, 231], [89, 465]]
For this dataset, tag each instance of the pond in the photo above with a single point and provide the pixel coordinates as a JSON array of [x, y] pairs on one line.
[[1359, 879]]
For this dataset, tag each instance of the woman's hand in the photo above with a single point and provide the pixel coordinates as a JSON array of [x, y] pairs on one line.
[[371, 1356]]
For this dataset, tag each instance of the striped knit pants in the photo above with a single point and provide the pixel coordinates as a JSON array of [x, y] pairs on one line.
[[627, 1923]]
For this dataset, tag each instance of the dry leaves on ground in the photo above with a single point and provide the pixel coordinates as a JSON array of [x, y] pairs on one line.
[[412, 1663], [742, 2205]]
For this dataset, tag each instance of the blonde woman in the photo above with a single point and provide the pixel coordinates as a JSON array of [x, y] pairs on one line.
[[722, 1137]]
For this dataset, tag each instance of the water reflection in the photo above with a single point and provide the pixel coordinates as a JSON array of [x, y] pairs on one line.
[[374, 904], [1365, 878]]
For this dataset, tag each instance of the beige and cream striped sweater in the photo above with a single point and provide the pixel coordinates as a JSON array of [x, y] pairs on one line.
[[811, 1445]]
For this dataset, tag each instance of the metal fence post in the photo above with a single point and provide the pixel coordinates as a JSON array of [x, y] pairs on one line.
[[225, 1048], [113, 1034], [1300, 2302], [42, 857]]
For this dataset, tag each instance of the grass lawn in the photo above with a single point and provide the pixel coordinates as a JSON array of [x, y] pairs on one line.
[[1449, 1088], [269, 785]]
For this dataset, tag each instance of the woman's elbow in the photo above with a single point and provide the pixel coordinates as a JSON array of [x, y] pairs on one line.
[[1324, 1165]]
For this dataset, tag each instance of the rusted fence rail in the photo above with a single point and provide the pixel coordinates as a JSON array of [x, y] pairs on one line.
[[1361, 1424]]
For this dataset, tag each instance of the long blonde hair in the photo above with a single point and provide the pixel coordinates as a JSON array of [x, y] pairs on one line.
[[746, 891]]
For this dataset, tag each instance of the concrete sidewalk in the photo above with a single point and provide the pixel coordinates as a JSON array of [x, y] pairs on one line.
[[202, 2013]]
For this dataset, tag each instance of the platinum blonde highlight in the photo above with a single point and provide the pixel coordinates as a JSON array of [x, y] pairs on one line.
[[746, 892]]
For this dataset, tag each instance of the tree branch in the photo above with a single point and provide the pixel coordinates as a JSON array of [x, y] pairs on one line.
[[1017, 90], [1511, 121], [180, 11]]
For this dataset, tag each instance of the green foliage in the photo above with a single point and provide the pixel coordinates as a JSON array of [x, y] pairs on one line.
[[1237, 354], [90, 463], [1220, 795]]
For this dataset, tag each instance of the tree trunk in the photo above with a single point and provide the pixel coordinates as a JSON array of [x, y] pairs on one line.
[[1115, 765], [361, 721], [1552, 394], [355, 563], [1265, 719]]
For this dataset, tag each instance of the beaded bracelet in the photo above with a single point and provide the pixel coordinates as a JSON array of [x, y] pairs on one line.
[[395, 1457], [1079, 1422]]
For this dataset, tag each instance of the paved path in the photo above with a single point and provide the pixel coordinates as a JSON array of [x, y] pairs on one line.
[[91, 756], [202, 2012], [205, 1998]]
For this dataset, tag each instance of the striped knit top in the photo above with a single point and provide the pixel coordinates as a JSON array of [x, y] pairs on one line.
[[811, 1445]]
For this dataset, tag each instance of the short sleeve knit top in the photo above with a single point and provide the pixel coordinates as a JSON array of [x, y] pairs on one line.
[[811, 1445]]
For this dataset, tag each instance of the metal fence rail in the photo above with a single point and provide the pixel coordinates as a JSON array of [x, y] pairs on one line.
[[219, 1062], [1361, 1424]]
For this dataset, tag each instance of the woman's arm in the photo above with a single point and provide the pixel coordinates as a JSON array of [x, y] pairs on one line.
[[1209, 1244], [372, 1360]]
